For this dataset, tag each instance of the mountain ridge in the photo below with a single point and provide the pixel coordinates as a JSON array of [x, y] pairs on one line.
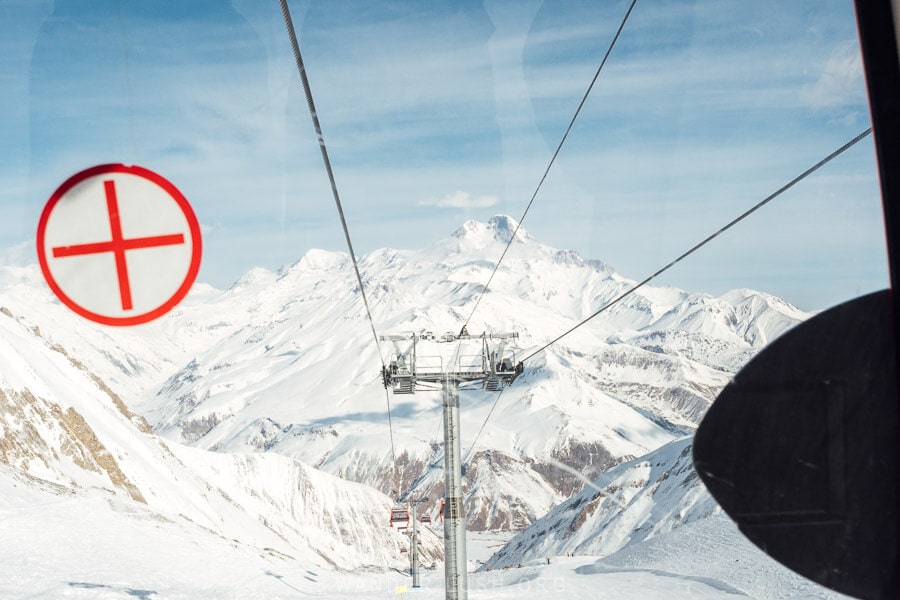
[[64, 433], [283, 361]]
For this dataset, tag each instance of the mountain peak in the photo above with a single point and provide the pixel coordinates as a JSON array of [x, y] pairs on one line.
[[316, 260], [499, 228]]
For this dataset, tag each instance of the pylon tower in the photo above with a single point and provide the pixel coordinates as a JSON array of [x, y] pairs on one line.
[[490, 369]]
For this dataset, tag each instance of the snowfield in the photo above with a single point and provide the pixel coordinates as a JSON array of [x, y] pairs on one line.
[[58, 545]]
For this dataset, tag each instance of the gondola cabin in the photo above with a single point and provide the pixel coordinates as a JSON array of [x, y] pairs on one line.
[[400, 517]]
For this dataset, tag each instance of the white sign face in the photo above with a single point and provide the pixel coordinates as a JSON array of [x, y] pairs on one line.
[[119, 245]]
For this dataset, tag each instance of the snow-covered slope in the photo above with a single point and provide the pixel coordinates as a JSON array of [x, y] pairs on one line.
[[710, 551], [64, 432], [635, 501], [285, 362], [652, 515], [113, 549]]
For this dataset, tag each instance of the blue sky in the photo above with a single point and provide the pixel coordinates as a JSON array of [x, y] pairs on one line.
[[438, 112]]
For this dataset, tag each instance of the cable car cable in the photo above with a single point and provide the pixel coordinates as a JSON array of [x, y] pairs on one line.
[[481, 429], [528, 207], [295, 45], [684, 255], [552, 160], [710, 238]]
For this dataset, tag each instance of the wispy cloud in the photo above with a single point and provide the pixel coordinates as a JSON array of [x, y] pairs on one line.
[[841, 80], [703, 106], [460, 199]]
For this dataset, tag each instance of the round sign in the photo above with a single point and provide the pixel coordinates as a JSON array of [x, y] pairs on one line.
[[118, 244]]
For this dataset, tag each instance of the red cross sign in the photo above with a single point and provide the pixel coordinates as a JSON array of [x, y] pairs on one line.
[[118, 244]]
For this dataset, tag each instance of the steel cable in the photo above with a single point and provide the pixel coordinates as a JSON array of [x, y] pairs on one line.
[[684, 255], [295, 45], [552, 160], [709, 238]]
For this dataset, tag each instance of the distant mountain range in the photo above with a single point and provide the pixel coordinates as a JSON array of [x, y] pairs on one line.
[[285, 363]]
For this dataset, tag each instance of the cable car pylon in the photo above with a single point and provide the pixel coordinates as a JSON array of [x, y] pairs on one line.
[[492, 368]]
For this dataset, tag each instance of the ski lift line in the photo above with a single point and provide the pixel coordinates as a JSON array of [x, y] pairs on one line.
[[295, 46], [552, 159], [334, 192], [710, 238]]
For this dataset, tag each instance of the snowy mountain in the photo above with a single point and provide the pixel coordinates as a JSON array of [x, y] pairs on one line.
[[653, 515], [66, 437], [284, 362], [632, 502], [106, 429]]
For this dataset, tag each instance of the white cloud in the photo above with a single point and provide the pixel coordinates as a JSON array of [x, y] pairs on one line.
[[675, 138], [841, 81], [461, 199]]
